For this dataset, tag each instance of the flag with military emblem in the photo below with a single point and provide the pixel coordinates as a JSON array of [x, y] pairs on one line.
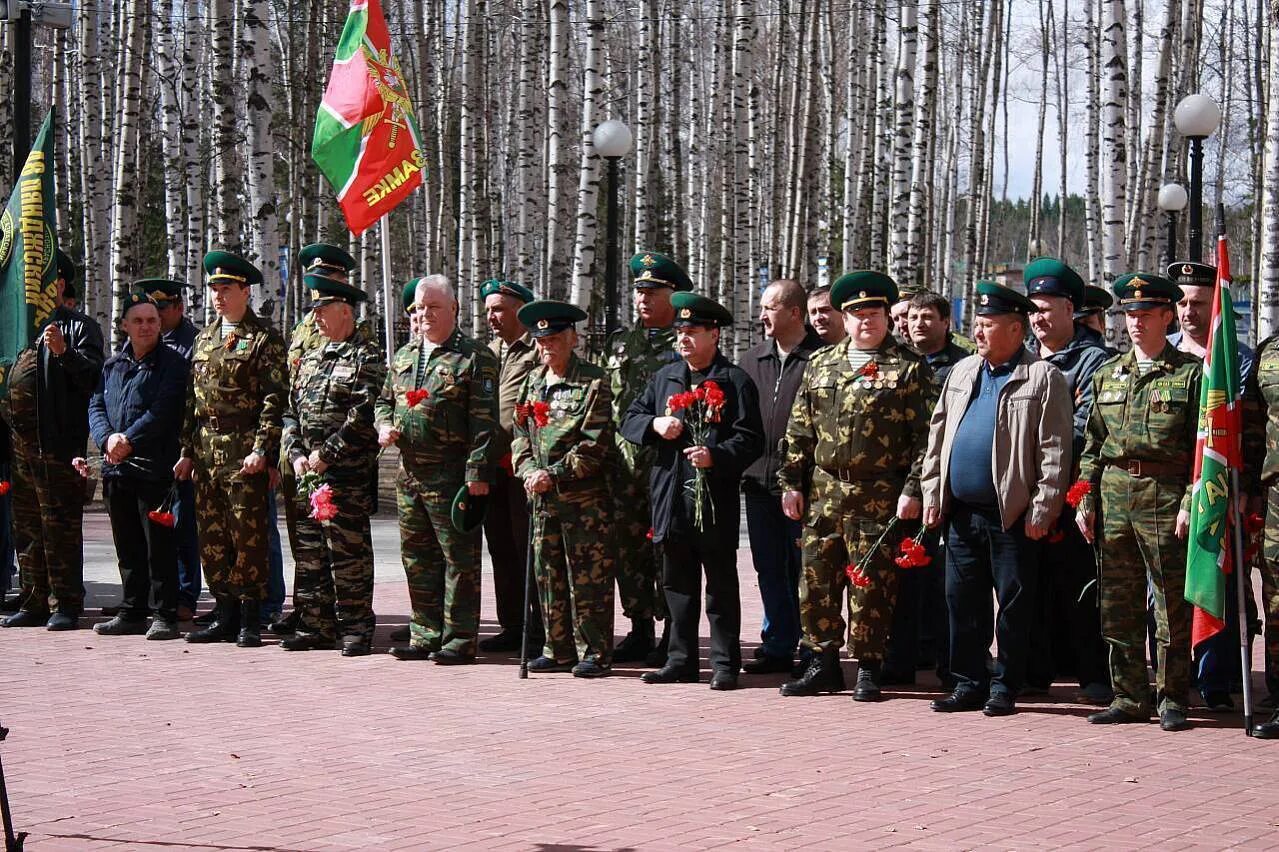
[[1217, 453], [28, 252], [366, 140]]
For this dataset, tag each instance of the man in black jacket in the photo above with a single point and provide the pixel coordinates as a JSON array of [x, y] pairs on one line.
[[776, 365], [703, 445], [49, 389]]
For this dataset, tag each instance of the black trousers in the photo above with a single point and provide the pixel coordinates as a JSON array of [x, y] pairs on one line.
[[1066, 634], [147, 551], [921, 624], [682, 565], [981, 555], [506, 531]]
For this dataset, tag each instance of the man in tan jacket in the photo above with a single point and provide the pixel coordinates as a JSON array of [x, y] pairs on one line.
[[996, 469]]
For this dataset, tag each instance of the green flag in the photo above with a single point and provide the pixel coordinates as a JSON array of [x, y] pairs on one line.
[[28, 253]]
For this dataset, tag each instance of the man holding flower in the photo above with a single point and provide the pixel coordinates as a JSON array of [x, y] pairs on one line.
[[329, 441], [701, 416]]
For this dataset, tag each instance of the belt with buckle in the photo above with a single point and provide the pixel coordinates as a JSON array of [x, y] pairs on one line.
[[1137, 467]]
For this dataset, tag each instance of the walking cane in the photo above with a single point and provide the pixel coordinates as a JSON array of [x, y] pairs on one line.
[[12, 842], [528, 583]]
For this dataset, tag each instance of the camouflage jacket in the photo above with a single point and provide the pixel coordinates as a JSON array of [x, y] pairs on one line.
[[858, 426], [237, 388], [331, 407], [576, 441], [634, 356], [1151, 418], [1261, 418], [457, 421]]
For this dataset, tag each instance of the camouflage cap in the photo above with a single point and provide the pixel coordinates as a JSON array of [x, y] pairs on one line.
[[650, 269]]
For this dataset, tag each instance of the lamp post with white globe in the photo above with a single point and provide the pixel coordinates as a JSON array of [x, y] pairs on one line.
[[1196, 117], [612, 139], [1172, 200]]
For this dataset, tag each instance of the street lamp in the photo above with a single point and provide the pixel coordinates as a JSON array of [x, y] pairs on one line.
[[1197, 116], [612, 139], [1172, 200]]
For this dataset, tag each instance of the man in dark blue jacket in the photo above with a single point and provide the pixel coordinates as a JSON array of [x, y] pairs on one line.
[[135, 417], [698, 533]]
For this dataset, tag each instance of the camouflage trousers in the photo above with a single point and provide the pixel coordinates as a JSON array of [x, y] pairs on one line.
[[442, 565], [48, 509], [574, 572], [1139, 548], [842, 521], [333, 577], [638, 563], [231, 522], [1270, 588]]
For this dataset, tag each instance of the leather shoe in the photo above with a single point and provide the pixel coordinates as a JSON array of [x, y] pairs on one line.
[[62, 621], [767, 665], [286, 626], [824, 674], [411, 652], [1173, 719], [1268, 730], [121, 626], [549, 665], [999, 704], [589, 669], [25, 618], [959, 702], [451, 657], [866, 688], [1115, 716], [401, 634], [723, 681], [670, 674], [307, 642], [355, 647], [504, 642]]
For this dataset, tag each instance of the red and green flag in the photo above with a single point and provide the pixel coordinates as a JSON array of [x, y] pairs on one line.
[[28, 252], [366, 141], [1217, 454]]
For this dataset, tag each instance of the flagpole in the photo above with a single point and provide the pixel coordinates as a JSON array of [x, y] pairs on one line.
[[1241, 577], [388, 306]]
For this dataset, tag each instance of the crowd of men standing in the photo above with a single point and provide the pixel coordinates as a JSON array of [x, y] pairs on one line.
[[895, 476]]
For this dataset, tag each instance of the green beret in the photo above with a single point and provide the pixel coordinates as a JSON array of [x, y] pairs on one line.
[[468, 510], [66, 268], [863, 288], [223, 267], [137, 297], [1138, 291], [1096, 299], [650, 269], [692, 309], [507, 288], [160, 289], [1189, 273], [409, 294], [546, 317], [993, 299], [1048, 276]]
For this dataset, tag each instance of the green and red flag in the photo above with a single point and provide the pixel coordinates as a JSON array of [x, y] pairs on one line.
[[1217, 453], [28, 253], [366, 141]]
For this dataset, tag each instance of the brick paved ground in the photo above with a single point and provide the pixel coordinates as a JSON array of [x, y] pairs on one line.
[[124, 744]]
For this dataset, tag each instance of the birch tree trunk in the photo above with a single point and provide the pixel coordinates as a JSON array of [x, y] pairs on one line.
[[742, 220], [167, 77], [124, 267], [1114, 58], [255, 57], [556, 88], [1092, 155], [225, 101], [899, 264], [1268, 313], [922, 154], [584, 271]]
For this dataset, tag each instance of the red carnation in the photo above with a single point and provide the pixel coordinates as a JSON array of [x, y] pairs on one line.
[[650, 533], [164, 519], [541, 413], [1078, 492], [870, 370], [857, 576], [5, 487], [1254, 523], [413, 397], [322, 508]]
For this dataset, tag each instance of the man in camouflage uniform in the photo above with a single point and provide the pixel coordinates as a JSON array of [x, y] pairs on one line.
[[853, 450], [231, 434], [634, 355], [507, 519], [328, 432], [47, 411], [446, 445], [561, 457], [1138, 455]]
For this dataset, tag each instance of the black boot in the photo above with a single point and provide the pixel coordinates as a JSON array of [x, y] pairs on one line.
[[824, 674], [223, 628], [637, 644], [868, 674], [286, 626], [250, 625]]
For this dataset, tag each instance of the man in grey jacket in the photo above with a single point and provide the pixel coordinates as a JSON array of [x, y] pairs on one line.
[[1006, 405]]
